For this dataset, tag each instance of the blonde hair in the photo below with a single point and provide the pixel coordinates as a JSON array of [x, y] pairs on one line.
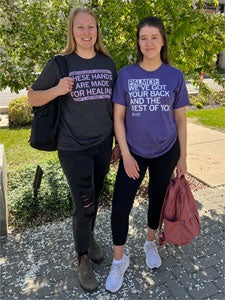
[[71, 43]]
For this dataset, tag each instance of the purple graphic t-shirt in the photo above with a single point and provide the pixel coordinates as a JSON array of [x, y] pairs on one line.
[[150, 98], [86, 118]]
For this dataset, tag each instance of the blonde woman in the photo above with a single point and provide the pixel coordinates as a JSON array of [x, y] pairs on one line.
[[86, 128]]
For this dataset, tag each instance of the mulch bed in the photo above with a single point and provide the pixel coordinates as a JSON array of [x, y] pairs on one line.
[[195, 185]]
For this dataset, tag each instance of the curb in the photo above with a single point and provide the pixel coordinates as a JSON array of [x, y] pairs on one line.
[[4, 109]]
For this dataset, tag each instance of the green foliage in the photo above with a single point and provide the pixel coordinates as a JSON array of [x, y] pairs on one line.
[[17, 148], [217, 97], [20, 112], [199, 104], [213, 118], [33, 31], [199, 100], [107, 192], [214, 98], [53, 200]]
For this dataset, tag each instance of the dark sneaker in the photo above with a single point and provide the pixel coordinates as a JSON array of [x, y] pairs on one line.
[[95, 252], [86, 275]]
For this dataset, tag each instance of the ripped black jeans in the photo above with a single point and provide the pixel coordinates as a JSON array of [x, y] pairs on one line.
[[85, 172]]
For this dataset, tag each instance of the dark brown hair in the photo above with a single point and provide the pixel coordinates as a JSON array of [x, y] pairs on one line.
[[158, 23]]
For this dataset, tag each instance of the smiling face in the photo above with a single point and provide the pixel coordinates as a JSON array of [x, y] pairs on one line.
[[84, 32], [150, 42]]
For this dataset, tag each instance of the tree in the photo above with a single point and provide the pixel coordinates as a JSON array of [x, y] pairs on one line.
[[33, 31], [195, 37]]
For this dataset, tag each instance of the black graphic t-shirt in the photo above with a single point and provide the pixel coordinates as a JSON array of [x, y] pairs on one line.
[[87, 111]]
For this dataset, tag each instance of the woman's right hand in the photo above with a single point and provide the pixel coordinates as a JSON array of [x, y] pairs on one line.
[[131, 166], [41, 97], [65, 85]]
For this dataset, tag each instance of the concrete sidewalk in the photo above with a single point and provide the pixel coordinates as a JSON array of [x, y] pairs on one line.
[[206, 154]]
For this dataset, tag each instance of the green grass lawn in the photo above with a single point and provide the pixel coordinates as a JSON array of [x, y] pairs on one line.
[[213, 118], [17, 149]]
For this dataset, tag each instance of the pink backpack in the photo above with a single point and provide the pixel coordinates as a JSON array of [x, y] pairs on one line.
[[179, 215]]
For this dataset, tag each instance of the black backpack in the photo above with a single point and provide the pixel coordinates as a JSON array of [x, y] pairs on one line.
[[44, 128]]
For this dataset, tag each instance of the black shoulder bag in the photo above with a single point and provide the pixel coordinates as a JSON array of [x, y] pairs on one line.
[[44, 128]]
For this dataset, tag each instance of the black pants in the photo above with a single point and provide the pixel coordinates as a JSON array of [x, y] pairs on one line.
[[160, 171], [85, 172]]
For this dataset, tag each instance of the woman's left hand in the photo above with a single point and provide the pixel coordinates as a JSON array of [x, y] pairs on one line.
[[115, 155], [181, 166]]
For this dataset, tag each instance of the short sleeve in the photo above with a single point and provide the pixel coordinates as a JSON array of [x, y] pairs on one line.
[[181, 93], [48, 78], [119, 91]]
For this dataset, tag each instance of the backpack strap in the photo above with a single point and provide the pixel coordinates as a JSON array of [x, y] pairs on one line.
[[64, 72], [62, 65], [175, 180], [161, 237], [163, 208]]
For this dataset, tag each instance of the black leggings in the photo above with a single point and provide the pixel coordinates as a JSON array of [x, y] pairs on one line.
[[160, 171]]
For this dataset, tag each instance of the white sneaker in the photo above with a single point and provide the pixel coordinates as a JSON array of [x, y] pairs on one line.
[[153, 259], [114, 280]]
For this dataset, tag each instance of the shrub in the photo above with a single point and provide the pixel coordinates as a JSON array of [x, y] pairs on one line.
[[107, 192], [199, 100], [217, 97], [20, 112], [214, 98], [53, 201]]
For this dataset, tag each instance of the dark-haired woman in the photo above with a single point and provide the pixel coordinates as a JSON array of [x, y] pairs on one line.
[[150, 99]]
